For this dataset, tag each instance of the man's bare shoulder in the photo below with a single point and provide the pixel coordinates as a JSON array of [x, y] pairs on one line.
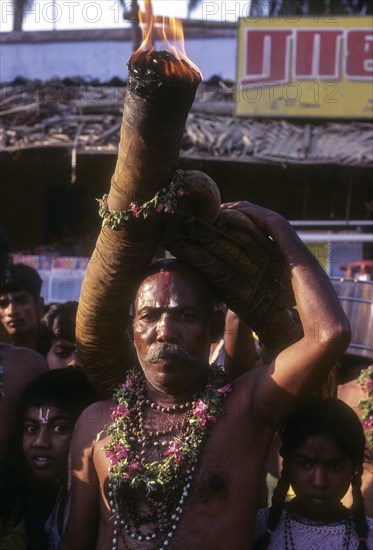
[[22, 359], [21, 366], [247, 392], [247, 381], [351, 393], [93, 420], [86, 446]]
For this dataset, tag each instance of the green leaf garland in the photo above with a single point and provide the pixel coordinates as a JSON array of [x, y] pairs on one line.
[[183, 448], [164, 201]]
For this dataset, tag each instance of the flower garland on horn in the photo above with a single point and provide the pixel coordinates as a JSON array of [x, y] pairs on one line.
[[165, 200]]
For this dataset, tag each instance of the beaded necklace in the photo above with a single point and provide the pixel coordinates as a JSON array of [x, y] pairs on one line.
[[162, 485], [288, 535]]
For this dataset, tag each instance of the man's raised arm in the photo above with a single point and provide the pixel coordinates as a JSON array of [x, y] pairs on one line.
[[300, 368]]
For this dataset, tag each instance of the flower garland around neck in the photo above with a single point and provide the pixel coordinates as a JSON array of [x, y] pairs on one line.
[[365, 380], [128, 465]]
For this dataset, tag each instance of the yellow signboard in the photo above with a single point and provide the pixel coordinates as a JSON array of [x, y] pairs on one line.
[[311, 67]]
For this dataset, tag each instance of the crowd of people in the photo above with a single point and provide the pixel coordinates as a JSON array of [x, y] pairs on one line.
[[178, 456], [202, 437]]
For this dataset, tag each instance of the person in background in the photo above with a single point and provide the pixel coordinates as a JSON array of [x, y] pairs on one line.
[[50, 406], [355, 387], [323, 447], [18, 367], [21, 305], [236, 350], [58, 334]]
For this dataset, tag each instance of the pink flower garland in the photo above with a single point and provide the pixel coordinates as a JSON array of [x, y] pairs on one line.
[[164, 201], [121, 452]]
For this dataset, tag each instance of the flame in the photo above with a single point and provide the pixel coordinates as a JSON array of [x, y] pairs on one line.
[[146, 19], [169, 31]]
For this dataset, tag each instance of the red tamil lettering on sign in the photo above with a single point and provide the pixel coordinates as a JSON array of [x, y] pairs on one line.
[[317, 53], [359, 56], [267, 55]]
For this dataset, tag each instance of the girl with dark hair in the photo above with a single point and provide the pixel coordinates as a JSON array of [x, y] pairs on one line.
[[323, 446]]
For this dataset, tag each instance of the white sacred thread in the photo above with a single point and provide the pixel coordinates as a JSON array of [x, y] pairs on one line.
[[43, 419]]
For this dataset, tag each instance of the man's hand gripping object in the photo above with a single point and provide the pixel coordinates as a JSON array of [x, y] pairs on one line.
[[240, 261]]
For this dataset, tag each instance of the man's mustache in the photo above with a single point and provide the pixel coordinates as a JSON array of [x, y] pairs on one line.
[[162, 352]]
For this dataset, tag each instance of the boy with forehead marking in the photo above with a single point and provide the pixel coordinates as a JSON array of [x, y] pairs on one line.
[[50, 406], [179, 460]]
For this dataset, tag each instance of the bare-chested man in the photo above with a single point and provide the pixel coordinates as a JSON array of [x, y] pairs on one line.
[[183, 427]]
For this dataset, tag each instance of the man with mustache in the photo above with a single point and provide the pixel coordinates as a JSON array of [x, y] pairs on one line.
[[175, 460]]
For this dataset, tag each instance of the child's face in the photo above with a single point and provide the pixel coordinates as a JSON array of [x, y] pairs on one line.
[[320, 475], [47, 431], [62, 354]]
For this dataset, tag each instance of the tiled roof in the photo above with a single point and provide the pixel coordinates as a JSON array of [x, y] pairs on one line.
[[85, 118]]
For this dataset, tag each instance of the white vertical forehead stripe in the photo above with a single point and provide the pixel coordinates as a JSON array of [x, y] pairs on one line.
[[43, 419]]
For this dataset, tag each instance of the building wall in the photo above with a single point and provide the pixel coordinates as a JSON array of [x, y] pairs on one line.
[[102, 55]]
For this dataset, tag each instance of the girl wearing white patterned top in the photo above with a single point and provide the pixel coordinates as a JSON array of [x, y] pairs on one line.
[[323, 451]]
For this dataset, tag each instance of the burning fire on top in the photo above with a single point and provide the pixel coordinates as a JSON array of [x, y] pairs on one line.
[[172, 61]]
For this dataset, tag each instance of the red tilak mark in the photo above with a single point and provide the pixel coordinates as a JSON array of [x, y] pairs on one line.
[[166, 278]]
